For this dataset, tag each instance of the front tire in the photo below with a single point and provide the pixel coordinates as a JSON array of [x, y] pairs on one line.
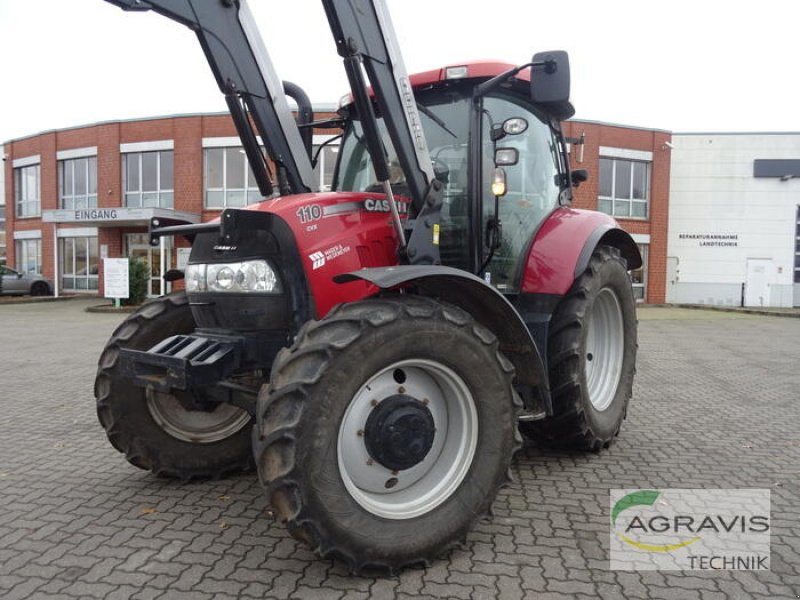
[[40, 288], [386, 431], [155, 431], [591, 357]]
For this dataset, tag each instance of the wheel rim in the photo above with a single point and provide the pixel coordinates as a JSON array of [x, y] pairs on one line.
[[196, 426], [605, 347], [419, 489]]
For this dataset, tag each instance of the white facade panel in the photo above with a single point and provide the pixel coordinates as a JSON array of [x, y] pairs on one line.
[[722, 217], [76, 153], [147, 146]]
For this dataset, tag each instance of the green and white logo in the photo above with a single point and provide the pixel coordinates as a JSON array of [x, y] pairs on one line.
[[684, 529]]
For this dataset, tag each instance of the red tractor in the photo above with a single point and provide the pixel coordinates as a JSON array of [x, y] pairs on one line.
[[375, 350]]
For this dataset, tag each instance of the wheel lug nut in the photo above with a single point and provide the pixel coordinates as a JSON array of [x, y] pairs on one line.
[[401, 390], [425, 401], [373, 402], [369, 462], [360, 433]]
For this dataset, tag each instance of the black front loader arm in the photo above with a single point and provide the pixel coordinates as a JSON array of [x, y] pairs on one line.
[[244, 73], [362, 28]]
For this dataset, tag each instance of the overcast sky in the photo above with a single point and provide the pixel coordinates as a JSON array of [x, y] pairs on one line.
[[701, 65]]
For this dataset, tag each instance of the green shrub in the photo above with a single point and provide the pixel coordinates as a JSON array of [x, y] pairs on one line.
[[138, 274]]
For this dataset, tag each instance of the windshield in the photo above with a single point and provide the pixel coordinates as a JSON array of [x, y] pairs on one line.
[[445, 120]]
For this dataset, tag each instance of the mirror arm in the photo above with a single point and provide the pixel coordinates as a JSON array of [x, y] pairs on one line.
[[488, 86]]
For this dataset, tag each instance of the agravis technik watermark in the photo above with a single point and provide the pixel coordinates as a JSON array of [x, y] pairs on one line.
[[686, 529]]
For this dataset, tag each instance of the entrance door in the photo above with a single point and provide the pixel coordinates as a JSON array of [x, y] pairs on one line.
[[137, 247], [672, 278], [759, 278]]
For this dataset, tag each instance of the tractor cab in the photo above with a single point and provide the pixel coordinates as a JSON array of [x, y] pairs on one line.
[[474, 139]]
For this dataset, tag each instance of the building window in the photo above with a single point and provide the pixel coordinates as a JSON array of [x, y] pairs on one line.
[[77, 183], [639, 276], [326, 163], [624, 186], [26, 191], [2, 233], [797, 249], [147, 179], [229, 181], [29, 256], [78, 263]]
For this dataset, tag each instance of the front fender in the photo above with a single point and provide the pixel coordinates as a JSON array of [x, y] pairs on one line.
[[487, 306]]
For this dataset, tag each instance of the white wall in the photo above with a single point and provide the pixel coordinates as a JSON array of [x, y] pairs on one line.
[[713, 193]]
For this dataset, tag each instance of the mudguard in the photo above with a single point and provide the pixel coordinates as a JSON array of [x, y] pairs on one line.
[[488, 306], [565, 243]]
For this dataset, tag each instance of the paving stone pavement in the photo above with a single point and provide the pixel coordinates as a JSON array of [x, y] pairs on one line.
[[716, 404]]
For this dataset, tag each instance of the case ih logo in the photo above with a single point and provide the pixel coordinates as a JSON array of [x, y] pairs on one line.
[[317, 260]]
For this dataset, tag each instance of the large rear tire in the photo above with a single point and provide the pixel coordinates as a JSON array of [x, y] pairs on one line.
[[155, 431], [591, 357], [386, 431]]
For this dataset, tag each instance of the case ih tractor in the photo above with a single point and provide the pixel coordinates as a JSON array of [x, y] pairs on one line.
[[375, 350]]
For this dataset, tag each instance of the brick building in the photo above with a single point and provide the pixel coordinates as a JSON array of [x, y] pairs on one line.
[[629, 174], [76, 196]]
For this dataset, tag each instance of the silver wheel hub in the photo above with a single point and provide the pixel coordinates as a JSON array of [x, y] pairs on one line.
[[605, 349], [438, 468], [195, 426]]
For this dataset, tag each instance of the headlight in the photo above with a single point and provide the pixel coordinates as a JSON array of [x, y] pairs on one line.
[[251, 276]]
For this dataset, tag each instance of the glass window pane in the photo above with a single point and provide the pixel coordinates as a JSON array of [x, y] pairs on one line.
[[622, 208], [149, 199], [606, 176], [640, 180], [638, 209], [215, 199], [131, 172], [92, 167], [80, 176], [622, 181], [166, 200], [68, 186], [149, 171], [67, 257], [251, 179], [235, 198], [93, 256], [166, 170], [133, 200], [214, 168], [253, 196], [81, 256], [328, 164], [604, 206], [234, 175]]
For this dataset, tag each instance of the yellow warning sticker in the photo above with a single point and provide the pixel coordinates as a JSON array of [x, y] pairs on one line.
[[436, 234]]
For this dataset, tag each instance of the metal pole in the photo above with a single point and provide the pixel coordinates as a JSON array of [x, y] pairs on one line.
[[55, 260], [162, 245]]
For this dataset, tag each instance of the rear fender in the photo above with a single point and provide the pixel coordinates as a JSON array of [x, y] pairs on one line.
[[565, 243], [487, 306]]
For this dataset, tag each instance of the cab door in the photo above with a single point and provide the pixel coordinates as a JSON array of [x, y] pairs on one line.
[[533, 184]]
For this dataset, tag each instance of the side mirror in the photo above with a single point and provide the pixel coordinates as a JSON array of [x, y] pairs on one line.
[[550, 77]]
